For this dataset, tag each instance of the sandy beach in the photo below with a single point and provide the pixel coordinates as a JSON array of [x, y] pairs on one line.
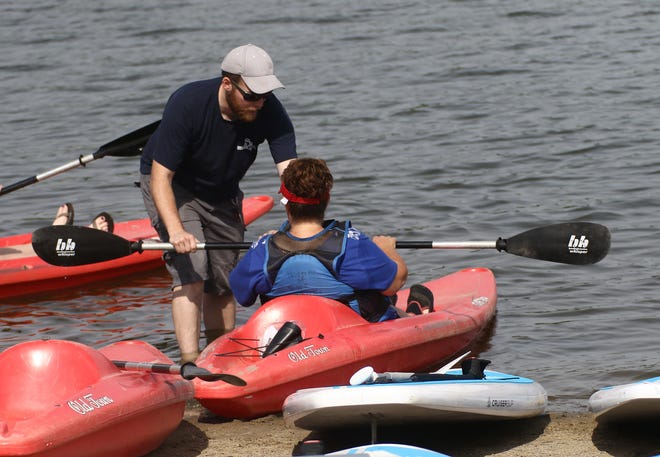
[[550, 435]]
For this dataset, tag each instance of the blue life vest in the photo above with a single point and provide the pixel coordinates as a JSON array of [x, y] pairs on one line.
[[310, 267]]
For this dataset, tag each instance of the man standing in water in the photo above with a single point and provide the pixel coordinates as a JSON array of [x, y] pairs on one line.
[[190, 173]]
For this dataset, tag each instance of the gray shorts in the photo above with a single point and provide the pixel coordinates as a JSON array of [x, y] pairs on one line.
[[210, 223]]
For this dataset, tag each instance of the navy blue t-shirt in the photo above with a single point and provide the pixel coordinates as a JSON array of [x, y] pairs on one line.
[[208, 154]]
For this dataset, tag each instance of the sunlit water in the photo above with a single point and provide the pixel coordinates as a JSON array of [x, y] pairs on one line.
[[454, 121]]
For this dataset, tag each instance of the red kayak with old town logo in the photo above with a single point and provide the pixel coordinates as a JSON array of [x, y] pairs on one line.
[[301, 341], [65, 399], [22, 272]]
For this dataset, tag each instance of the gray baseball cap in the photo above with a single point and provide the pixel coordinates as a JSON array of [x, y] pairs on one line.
[[255, 67]]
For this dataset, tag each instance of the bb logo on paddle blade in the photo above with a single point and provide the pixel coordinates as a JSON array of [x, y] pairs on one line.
[[65, 248], [578, 245]]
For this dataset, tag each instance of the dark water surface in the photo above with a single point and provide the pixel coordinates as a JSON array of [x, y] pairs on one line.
[[453, 120]]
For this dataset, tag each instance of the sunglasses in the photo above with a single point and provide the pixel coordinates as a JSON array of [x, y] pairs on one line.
[[249, 96]]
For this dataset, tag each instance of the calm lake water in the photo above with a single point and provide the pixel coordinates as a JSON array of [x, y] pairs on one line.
[[453, 121]]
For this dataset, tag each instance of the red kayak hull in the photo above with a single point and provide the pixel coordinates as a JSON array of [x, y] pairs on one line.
[[28, 274], [64, 399], [337, 342]]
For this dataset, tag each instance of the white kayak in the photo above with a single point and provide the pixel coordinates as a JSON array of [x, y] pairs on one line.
[[389, 450], [636, 401], [498, 396]]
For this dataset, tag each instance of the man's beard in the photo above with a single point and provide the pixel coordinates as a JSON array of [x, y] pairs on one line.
[[241, 113]]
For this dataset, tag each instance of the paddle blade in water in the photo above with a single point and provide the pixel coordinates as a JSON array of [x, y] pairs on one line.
[[576, 243], [66, 245]]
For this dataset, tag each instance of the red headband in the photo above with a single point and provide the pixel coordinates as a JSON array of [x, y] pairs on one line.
[[290, 196]]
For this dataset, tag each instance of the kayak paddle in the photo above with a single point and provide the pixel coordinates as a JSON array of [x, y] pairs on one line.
[[128, 145], [187, 371], [575, 243], [367, 375]]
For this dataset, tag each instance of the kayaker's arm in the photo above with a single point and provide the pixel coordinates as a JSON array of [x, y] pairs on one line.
[[281, 166], [388, 245], [163, 195]]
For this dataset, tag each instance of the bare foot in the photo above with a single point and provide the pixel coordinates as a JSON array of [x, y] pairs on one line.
[[64, 215], [100, 223]]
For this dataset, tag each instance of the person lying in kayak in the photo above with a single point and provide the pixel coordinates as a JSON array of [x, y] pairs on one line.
[[313, 256], [102, 221], [64, 216]]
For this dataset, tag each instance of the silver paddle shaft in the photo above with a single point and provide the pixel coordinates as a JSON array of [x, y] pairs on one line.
[[160, 246]]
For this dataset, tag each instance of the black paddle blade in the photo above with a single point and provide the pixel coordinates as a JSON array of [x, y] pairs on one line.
[[128, 145], [190, 370], [67, 245], [576, 243]]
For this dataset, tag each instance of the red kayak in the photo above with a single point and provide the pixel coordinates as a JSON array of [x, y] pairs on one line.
[[22, 272], [65, 399], [334, 342]]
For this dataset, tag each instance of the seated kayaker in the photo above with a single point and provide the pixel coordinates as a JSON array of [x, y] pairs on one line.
[[102, 221], [313, 256]]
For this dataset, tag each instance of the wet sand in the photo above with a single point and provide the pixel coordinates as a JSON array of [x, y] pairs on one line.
[[550, 435]]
